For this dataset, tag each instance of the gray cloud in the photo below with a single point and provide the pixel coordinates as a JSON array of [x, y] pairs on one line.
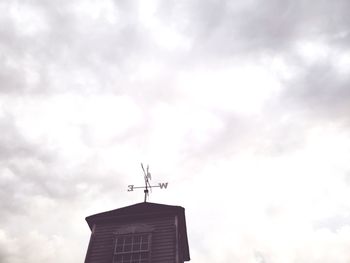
[[266, 25], [69, 44], [23, 166], [321, 92], [37, 169]]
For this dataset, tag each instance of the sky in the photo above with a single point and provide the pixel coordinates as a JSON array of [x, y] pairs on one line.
[[241, 106]]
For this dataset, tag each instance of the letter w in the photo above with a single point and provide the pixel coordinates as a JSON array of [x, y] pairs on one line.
[[163, 185]]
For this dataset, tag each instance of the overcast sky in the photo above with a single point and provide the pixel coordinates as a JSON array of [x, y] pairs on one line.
[[242, 106]]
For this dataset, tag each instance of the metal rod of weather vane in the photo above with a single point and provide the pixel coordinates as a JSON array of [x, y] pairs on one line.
[[146, 193], [146, 190]]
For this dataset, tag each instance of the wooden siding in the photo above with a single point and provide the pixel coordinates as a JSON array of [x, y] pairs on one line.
[[163, 242]]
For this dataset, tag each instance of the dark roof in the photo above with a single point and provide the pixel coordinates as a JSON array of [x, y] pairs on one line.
[[142, 210]]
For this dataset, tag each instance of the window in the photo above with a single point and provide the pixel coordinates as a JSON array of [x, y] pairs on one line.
[[132, 248]]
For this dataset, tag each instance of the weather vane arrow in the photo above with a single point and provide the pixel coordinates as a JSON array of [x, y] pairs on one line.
[[147, 178]]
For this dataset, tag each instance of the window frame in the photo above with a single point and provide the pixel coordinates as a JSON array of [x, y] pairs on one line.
[[122, 236]]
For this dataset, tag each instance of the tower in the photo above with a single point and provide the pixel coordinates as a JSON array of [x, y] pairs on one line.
[[140, 233]]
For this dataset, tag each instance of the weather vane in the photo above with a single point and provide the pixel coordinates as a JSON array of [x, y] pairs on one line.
[[147, 177]]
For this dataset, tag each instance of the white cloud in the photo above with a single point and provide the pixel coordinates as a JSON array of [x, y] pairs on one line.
[[242, 88], [29, 20]]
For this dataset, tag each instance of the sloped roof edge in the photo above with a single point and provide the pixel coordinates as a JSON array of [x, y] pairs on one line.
[[143, 208]]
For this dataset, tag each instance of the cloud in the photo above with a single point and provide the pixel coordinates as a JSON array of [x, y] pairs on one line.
[[243, 107], [321, 91], [257, 26]]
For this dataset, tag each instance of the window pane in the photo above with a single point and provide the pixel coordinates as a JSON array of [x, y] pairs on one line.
[[119, 248], [127, 248], [137, 239], [144, 246], [136, 246], [128, 239]]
